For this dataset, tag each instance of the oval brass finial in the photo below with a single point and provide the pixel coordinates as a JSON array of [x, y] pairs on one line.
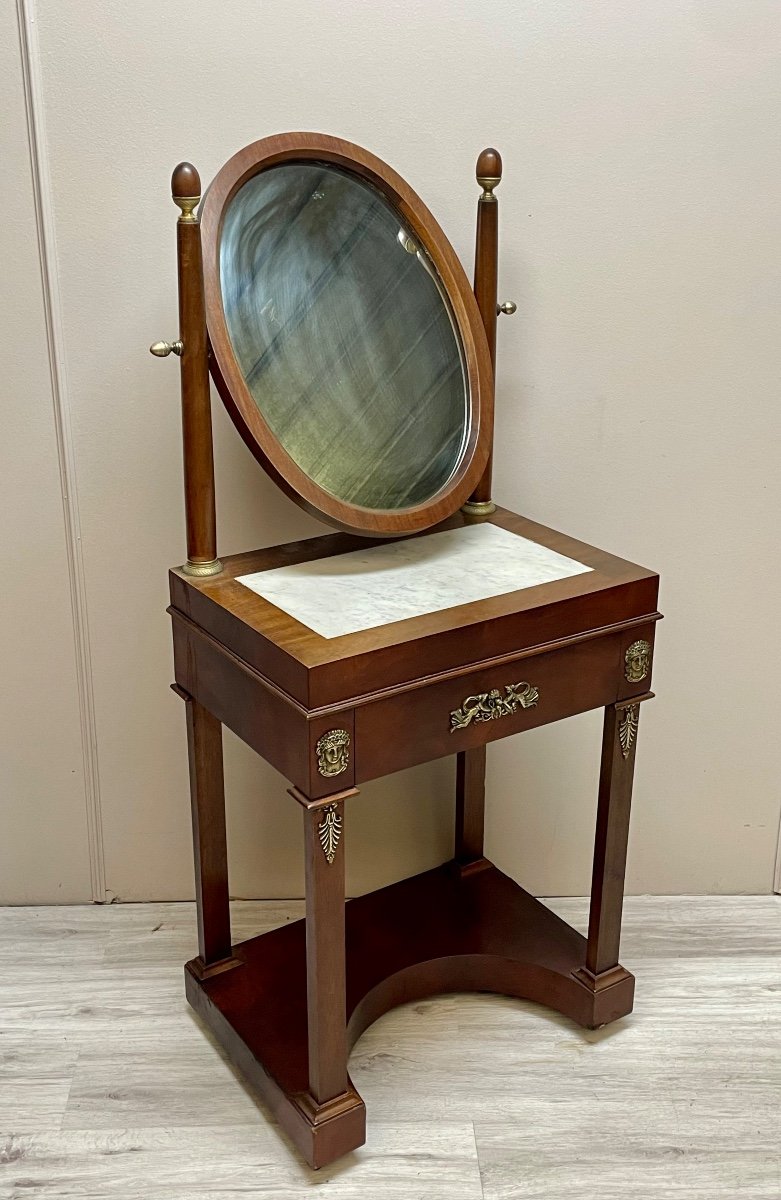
[[186, 190], [163, 349], [508, 308], [489, 172]]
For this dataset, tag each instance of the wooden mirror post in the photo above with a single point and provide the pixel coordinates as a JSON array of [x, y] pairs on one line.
[[192, 350], [489, 175]]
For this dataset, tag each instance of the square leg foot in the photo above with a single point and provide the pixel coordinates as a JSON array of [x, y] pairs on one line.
[[610, 995], [262, 1027], [327, 1131]]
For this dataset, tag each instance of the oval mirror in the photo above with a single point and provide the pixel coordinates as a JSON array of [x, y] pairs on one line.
[[349, 359]]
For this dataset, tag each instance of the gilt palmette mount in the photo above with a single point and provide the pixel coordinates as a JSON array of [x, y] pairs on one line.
[[329, 832]]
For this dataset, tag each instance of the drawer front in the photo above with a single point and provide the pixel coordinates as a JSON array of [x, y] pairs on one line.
[[470, 710]]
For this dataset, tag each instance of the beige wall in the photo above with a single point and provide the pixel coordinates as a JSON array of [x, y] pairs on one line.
[[44, 847], [637, 407]]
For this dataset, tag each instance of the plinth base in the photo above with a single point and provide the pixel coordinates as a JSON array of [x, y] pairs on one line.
[[448, 930]]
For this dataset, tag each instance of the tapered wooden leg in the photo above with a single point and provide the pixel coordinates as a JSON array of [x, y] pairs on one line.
[[325, 953], [615, 797], [207, 795], [470, 805]]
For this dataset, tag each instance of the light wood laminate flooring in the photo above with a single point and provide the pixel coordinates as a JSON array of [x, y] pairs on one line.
[[110, 1089]]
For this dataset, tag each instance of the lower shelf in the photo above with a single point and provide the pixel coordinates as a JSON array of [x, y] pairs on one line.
[[446, 930]]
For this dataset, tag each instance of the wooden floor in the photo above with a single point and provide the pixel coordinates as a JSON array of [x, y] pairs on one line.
[[110, 1089]]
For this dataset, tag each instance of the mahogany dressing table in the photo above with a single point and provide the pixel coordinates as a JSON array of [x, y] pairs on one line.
[[357, 364]]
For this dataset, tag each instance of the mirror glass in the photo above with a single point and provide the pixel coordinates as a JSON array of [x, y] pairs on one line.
[[344, 335]]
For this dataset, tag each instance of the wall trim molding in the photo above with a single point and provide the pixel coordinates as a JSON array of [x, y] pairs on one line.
[[47, 252], [777, 876]]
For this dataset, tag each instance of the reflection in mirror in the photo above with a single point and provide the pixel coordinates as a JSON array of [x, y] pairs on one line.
[[343, 334]]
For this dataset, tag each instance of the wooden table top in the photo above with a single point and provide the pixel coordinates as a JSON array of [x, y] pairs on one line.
[[315, 670]]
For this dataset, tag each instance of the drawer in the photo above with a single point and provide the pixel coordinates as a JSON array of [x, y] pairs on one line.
[[469, 710]]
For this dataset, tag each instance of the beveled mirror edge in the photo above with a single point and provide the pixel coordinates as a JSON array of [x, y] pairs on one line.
[[229, 379]]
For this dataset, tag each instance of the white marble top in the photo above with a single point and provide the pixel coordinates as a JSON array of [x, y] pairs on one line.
[[365, 588]]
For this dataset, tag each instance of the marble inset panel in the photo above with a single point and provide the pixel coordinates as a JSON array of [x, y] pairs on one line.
[[381, 584]]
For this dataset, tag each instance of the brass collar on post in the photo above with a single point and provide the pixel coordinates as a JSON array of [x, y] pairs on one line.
[[188, 204], [478, 508], [488, 183], [202, 568]]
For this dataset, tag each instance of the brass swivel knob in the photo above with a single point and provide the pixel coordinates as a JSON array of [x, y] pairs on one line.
[[163, 349], [508, 308]]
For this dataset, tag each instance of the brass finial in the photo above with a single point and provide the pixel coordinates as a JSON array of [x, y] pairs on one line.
[[186, 191], [507, 309], [163, 349], [489, 173]]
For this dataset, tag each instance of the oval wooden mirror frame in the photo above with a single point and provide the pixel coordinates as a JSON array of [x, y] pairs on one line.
[[225, 370]]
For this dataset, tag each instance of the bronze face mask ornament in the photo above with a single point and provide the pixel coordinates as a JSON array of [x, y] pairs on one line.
[[333, 752], [638, 661]]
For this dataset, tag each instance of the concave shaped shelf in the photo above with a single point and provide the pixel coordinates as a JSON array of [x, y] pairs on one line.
[[449, 929]]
